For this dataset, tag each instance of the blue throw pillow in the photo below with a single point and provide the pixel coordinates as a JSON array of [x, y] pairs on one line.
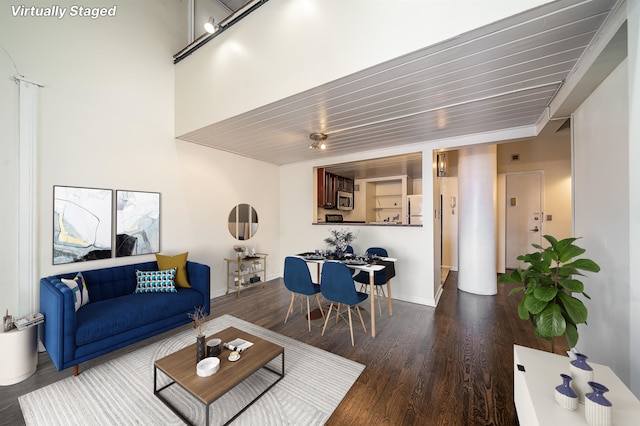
[[156, 281], [79, 288]]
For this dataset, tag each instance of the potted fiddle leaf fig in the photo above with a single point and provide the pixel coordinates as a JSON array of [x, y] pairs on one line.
[[549, 286]]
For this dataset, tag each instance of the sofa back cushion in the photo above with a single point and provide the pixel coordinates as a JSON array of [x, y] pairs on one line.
[[115, 281]]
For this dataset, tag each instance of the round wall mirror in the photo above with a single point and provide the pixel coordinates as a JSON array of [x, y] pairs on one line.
[[243, 222]]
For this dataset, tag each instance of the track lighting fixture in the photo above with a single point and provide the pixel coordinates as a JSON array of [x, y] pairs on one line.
[[210, 26], [318, 139]]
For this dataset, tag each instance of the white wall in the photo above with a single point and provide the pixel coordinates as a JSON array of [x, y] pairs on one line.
[[552, 156], [601, 206], [633, 29], [106, 121], [411, 245], [288, 37]]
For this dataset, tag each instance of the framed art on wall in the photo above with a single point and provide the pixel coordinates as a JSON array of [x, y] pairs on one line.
[[82, 223], [137, 223]]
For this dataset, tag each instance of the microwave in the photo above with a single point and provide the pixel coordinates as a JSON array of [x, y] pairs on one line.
[[344, 200]]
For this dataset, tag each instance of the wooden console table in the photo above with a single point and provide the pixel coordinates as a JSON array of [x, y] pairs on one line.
[[537, 373]]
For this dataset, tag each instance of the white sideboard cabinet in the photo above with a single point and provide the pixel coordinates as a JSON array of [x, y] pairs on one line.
[[536, 375]]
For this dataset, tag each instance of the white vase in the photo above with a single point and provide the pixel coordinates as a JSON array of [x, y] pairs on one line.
[[596, 414], [565, 396], [582, 374], [566, 402], [597, 408]]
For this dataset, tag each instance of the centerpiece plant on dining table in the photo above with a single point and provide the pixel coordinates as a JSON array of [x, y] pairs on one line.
[[340, 240]]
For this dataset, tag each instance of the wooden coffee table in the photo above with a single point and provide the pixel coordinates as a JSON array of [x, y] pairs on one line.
[[180, 366]]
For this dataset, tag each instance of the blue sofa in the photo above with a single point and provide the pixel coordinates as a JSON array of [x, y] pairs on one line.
[[115, 316]]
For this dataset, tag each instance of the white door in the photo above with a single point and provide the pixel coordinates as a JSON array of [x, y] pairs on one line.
[[523, 215]]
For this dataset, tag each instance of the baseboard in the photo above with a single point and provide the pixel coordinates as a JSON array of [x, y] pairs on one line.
[[413, 299]]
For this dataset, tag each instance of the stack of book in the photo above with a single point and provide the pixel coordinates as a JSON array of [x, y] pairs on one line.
[[29, 321]]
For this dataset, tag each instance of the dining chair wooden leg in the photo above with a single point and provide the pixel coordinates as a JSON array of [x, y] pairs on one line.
[[378, 297], [320, 304], [338, 313], [326, 320], [389, 298], [361, 320], [308, 314], [293, 298], [350, 325]]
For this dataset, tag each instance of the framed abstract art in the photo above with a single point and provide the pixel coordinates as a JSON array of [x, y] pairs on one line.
[[82, 224], [137, 223]]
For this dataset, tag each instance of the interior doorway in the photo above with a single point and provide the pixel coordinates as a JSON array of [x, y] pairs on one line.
[[523, 215]]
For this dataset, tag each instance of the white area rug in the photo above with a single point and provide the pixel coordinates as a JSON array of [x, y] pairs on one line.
[[120, 392]]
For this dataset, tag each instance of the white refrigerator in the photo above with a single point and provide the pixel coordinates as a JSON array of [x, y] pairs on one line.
[[414, 209]]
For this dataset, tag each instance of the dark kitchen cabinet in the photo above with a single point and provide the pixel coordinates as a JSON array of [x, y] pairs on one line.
[[328, 185], [344, 184], [326, 189]]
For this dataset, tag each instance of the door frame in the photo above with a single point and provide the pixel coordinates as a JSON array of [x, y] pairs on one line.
[[502, 214]]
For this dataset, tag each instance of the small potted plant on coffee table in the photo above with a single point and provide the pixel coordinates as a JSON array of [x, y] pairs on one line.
[[198, 319]]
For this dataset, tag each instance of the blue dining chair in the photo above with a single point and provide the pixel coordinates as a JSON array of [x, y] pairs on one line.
[[379, 280], [337, 286], [297, 279], [349, 249]]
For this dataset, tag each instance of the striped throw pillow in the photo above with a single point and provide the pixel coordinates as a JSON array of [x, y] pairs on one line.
[[79, 288]]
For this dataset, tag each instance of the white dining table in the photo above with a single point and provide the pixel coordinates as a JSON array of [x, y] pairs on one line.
[[371, 269]]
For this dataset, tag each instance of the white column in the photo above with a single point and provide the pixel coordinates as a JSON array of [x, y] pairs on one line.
[[477, 176]]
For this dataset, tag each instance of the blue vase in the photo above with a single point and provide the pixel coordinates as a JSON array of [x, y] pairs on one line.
[[581, 362], [597, 395], [597, 408], [565, 396], [582, 374]]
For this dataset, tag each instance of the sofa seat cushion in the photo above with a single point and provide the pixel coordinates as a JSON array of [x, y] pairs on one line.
[[100, 320]]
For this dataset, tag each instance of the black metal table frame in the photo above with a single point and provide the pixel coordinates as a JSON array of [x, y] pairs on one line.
[[166, 402]]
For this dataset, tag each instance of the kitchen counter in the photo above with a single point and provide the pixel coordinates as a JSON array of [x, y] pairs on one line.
[[356, 223]]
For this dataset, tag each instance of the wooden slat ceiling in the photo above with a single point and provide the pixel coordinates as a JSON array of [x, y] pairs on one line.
[[497, 77], [396, 165]]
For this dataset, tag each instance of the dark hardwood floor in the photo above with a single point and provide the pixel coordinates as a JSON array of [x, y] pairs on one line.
[[450, 365]]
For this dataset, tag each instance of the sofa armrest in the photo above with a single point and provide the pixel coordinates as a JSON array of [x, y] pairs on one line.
[[59, 328], [200, 280]]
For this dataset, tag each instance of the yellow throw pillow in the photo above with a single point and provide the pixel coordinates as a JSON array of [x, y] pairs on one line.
[[179, 261]]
